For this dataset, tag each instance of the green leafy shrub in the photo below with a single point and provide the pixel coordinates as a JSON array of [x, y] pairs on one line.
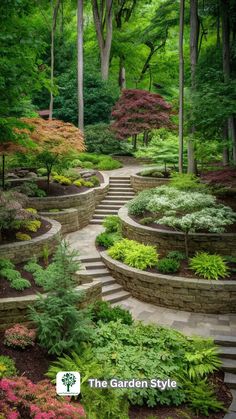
[[108, 239], [87, 165], [95, 181], [116, 348], [61, 326], [138, 205], [31, 211], [30, 189], [100, 139], [209, 266], [76, 163], [63, 180], [175, 254], [77, 183], [9, 272], [6, 264], [7, 367], [147, 220], [187, 182], [19, 336], [154, 172], [88, 184], [37, 271], [112, 224], [107, 163], [103, 311], [32, 225], [22, 236], [42, 171], [168, 266], [134, 254]]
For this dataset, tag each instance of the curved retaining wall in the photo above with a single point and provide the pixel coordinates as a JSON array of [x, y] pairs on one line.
[[68, 219], [190, 294], [166, 241], [15, 309], [84, 202], [22, 251], [139, 183]]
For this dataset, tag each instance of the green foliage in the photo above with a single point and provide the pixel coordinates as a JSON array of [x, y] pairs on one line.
[[103, 311], [147, 220], [77, 183], [106, 403], [112, 224], [32, 225], [107, 163], [100, 139], [108, 239], [168, 266], [7, 367], [201, 397], [175, 254], [61, 326], [95, 181], [30, 189], [8, 271], [116, 349], [96, 161], [209, 266], [42, 171], [153, 172], [187, 182], [138, 205], [134, 254], [22, 236], [63, 180]]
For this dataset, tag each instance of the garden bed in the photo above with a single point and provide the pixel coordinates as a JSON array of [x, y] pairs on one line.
[[20, 251], [9, 236], [173, 291], [167, 239]]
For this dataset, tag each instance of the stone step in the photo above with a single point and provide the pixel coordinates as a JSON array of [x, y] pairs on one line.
[[230, 380], [117, 184], [120, 191], [105, 211], [227, 352], [114, 201], [111, 289], [108, 207], [85, 260], [225, 340], [98, 222], [119, 178], [107, 280], [94, 265], [118, 296], [118, 197], [98, 216], [229, 365], [96, 273]]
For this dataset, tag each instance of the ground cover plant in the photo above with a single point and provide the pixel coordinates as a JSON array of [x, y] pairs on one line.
[[183, 209], [112, 232], [116, 350]]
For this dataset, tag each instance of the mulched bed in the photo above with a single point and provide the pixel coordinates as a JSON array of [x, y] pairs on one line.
[[225, 177], [9, 236], [169, 412], [7, 291], [56, 189], [32, 362]]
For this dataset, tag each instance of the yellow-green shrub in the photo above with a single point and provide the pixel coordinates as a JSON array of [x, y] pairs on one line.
[[77, 183], [32, 210], [63, 180], [32, 225], [23, 236]]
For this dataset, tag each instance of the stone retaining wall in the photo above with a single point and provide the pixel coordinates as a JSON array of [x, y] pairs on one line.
[[84, 202], [23, 250], [139, 183], [196, 295], [68, 219], [15, 310], [166, 241]]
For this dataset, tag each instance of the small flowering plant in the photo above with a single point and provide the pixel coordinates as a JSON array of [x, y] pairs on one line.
[[19, 336]]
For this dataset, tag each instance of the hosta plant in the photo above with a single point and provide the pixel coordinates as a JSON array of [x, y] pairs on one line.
[[134, 254], [209, 266], [19, 336]]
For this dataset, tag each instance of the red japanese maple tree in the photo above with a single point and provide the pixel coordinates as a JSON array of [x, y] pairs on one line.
[[138, 111]]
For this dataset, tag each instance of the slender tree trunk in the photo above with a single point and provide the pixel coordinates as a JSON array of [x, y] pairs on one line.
[[3, 171], [54, 23], [225, 155], [122, 77], [135, 142], [181, 86], [194, 36], [103, 26], [80, 65], [226, 65]]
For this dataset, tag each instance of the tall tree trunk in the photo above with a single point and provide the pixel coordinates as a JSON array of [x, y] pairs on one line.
[[54, 23], [194, 36], [134, 142], [122, 77], [3, 171], [80, 65], [226, 64], [225, 155], [181, 86], [103, 26]]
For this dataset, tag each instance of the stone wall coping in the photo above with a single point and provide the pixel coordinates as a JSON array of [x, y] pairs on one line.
[[152, 277], [55, 228], [61, 212], [124, 216], [137, 175]]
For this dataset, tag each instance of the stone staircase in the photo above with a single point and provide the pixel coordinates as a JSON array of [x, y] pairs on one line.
[[227, 352], [111, 290], [120, 192]]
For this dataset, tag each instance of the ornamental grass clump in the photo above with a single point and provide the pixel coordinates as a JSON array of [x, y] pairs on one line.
[[209, 266]]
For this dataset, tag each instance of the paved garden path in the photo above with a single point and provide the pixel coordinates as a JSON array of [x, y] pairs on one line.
[[188, 323]]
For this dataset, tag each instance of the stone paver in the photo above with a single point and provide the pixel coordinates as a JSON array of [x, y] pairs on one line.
[[84, 240]]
